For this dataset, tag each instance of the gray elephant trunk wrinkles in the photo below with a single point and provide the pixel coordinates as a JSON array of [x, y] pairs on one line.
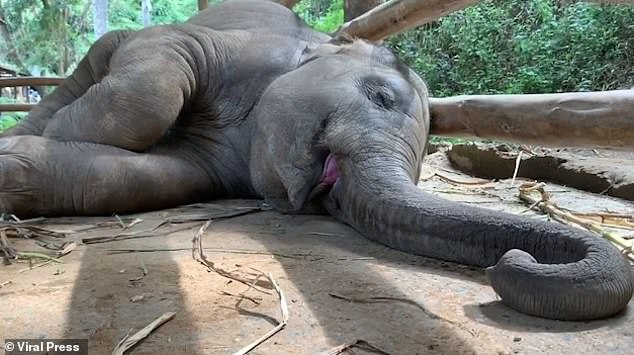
[[536, 267]]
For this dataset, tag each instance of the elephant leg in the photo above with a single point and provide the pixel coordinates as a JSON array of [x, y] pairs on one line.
[[41, 176], [90, 70], [132, 107]]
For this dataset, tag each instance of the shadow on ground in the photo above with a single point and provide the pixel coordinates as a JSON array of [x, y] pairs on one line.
[[400, 303], [117, 294]]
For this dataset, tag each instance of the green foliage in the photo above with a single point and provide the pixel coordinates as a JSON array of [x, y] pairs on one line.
[[324, 16], [516, 46], [51, 36], [498, 46], [9, 119], [124, 14], [42, 32]]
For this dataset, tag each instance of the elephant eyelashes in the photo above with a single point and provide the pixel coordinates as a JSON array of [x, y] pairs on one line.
[[379, 95]]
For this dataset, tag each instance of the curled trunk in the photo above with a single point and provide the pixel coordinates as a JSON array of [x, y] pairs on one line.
[[539, 268]]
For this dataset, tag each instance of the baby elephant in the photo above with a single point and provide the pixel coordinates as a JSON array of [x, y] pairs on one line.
[[245, 101]]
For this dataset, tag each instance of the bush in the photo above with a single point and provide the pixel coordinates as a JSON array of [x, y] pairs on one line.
[[9, 119], [322, 15], [519, 46]]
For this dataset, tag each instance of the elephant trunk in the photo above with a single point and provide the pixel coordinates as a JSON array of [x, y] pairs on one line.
[[539, 268]]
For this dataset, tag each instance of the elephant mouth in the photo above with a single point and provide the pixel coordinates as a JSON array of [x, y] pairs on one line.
[[329, 176]]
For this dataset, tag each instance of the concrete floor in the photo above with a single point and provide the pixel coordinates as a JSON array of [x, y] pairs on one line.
[[101, 295]]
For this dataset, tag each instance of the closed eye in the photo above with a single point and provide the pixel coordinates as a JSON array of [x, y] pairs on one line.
[[380, 96], [309, 59]]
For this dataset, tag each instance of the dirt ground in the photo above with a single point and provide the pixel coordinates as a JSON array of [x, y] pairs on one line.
[[608, 172], [339, 287]]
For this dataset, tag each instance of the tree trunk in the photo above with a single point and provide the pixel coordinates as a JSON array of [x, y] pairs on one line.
[[100, 17], [584, 119], [397, 16], [146, 12], [64, 55], [355, 8], [12, 53], [203, 4]]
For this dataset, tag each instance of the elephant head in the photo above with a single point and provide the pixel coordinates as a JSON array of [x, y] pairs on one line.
[[347, 131]]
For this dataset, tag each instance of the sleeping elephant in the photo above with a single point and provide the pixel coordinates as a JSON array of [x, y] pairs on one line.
[[246, 101]]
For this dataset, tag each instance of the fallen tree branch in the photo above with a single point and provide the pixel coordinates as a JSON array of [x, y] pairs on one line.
[[186, 220], [137, 235], [279, 327], [129, 341], [361, 344], [544, 204], [199, 255], [214, 250], [612, 220], [19, 230]]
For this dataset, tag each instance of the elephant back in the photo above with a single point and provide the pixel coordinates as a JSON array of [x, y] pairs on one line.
[[257, 16]]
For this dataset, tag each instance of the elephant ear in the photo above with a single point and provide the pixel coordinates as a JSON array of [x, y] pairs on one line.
[[423, 94], [335, 45], [317, 50], [286, 156]]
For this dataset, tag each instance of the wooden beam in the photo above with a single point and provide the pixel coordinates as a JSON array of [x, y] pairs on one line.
[[397, 16], [30, 81], [585, 119], [16, 107]]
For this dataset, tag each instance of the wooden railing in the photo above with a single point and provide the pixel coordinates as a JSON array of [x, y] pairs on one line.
[[20, 81]]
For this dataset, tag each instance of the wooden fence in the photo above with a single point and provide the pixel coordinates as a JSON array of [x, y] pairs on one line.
[[21, 81]]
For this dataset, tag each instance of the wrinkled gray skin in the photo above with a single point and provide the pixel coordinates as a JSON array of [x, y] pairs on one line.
[[244, 100]]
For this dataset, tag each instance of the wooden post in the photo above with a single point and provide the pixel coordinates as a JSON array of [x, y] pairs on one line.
[[397, 16], [203, 4], [602, 119]]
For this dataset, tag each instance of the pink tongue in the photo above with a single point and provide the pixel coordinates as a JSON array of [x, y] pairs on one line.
[[331, 172]]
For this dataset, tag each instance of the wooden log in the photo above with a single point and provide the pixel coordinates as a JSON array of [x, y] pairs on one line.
[[399, 15], [30, 81], [585, 119], [16, 107]]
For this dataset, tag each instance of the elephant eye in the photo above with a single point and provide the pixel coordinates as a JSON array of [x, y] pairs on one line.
[[380, 95], [309, 59]]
